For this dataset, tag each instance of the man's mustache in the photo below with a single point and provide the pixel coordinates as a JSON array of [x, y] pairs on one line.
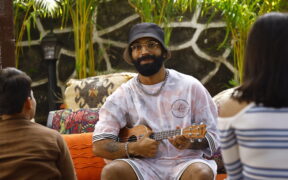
[[147, 57]]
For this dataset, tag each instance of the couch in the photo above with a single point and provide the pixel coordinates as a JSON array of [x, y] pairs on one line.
[[83, 99]]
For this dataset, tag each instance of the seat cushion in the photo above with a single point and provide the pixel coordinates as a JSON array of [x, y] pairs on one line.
[[87, 165]]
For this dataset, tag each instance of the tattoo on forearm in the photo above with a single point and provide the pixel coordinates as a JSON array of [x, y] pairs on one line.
[[112, 147]]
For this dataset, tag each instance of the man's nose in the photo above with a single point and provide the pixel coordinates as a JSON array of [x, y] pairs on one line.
[[144, 49]]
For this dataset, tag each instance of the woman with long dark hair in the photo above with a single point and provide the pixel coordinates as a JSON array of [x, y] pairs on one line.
[[253, 123]]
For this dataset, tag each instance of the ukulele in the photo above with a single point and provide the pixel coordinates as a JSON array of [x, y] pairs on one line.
[[137, 132]]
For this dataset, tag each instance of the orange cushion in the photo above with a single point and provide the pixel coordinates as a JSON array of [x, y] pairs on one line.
[[221, 176], [87, 165]]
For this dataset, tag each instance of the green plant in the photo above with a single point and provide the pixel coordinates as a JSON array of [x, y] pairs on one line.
[[239, 15], [81, 13], [25, 14], [162, 12]]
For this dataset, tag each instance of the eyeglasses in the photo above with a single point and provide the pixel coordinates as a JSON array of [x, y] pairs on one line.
[[150, 46]]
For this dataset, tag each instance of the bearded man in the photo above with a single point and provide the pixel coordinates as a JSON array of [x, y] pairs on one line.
[[167, 102]]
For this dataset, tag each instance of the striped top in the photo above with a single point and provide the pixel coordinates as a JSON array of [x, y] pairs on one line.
[[254, 143]]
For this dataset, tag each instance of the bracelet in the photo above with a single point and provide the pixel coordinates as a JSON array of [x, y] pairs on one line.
[[126, 150]]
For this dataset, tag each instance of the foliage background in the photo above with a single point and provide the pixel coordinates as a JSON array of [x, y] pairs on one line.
[[201, 43]]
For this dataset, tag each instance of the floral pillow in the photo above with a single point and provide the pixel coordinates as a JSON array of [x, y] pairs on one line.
[[67, 121]]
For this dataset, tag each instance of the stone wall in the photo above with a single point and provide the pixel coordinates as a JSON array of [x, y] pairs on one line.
[[193, 44]]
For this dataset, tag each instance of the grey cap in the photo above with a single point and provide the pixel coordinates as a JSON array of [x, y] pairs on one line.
[[144, 30]]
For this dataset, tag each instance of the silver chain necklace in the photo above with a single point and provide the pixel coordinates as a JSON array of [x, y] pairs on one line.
[[140, 86]]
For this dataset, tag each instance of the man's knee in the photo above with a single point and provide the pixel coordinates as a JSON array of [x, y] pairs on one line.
[[198, 171], [204, 174], [111, 170], [116, 169]]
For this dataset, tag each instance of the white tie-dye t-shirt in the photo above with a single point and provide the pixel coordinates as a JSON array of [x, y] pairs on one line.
[[182, 102]]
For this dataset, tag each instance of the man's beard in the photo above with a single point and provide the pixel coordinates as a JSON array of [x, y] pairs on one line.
[[148, 69]]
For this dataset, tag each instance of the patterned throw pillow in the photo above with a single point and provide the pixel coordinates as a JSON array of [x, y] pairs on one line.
[[67, 121], [93, 91], [217, 157]]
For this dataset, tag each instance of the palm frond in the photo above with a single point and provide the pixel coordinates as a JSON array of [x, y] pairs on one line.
[[49, 6]]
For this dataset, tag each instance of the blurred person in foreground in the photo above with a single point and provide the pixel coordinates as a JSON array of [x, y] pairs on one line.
[[253, 123], [165, 101], [28, 151]]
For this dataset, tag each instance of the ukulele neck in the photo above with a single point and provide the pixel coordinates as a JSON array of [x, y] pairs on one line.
[[165, 134]]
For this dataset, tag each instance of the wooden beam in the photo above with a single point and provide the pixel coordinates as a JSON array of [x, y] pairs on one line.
[[7, 40]]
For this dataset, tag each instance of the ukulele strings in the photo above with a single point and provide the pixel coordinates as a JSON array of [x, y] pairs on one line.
[[135, 138]]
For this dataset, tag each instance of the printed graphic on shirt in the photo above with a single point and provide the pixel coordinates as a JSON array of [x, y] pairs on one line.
[[180, 108]]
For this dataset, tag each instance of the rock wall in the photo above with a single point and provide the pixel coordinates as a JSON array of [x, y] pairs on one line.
[[194, 45]]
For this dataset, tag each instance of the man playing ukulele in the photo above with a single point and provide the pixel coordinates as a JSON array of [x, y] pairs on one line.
[[163, 100]]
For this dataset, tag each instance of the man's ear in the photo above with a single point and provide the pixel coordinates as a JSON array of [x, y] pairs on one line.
[[28, 103], [167, 55]]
